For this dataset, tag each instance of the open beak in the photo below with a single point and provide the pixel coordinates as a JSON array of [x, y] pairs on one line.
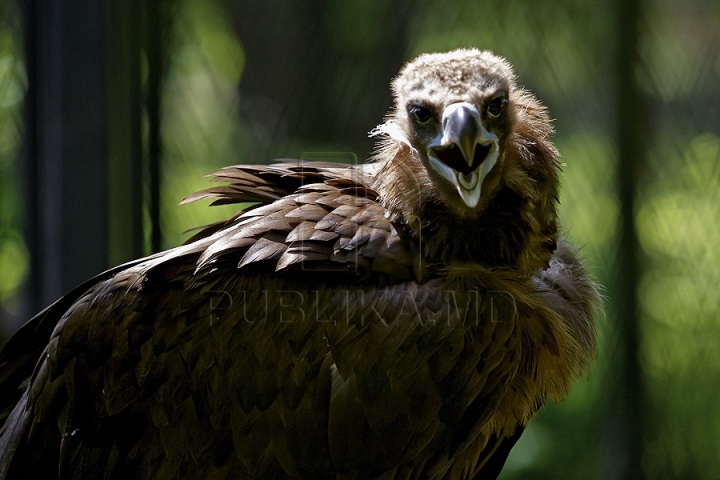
[[464, 152]]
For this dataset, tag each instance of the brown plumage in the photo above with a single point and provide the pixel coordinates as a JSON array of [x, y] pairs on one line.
[[400, 319]]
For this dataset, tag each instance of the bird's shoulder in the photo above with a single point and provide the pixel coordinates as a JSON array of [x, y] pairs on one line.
[[309, 217]]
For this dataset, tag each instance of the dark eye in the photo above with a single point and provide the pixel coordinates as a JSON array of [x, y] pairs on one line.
[[494, 108], [422, 114]]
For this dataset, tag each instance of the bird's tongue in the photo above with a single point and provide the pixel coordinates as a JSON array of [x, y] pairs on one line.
[[450, 163], [467, 181]]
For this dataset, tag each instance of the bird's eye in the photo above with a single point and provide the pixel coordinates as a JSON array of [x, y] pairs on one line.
[[423, 115], [494, 108]]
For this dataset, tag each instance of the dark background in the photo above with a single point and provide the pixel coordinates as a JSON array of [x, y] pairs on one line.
[[112, 111]]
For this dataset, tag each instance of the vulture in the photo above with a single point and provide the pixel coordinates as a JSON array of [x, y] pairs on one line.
[[404, 318]]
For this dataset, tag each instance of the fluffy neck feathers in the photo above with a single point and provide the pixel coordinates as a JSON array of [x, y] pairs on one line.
[[515, 228]]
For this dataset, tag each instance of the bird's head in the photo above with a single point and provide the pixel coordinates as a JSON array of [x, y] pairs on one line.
[[460, 135], [454, 110]]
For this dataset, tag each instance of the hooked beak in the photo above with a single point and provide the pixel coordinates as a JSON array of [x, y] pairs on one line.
[[464, 152]]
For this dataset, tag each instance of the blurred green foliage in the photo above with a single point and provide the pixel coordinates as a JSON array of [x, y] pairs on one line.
[[13, 252], [679, 228], [199, 114], [564, 52]]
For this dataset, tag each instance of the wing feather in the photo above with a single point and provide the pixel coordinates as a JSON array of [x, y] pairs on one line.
[[326, 225]]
